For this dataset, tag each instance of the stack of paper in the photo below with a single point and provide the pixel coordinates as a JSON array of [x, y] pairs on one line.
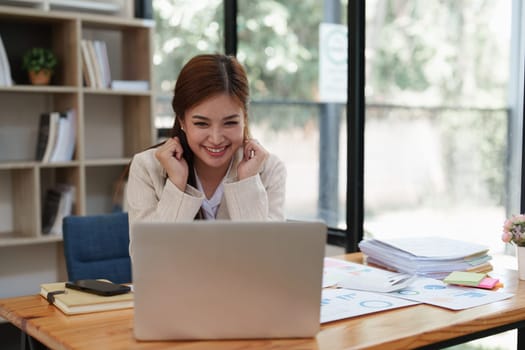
[[434, 257]]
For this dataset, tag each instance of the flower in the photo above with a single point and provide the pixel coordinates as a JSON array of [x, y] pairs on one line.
[[514, 230]]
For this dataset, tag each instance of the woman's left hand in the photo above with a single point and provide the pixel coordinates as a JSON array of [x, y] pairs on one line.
[[254, 156]]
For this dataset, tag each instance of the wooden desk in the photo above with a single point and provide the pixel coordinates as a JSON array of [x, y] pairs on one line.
[[406, 328]]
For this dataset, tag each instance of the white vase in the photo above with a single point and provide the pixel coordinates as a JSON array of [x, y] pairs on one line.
[[520, 255]]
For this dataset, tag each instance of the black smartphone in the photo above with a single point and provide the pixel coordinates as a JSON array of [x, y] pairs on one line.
[[103, 288]]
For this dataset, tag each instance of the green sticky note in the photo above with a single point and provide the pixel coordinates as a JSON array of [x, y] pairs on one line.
[[465, 278]]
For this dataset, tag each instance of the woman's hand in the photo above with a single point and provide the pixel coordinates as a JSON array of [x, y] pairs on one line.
[[170, 157], [254, 156]]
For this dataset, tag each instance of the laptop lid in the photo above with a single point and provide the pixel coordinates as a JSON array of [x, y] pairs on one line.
[[227, 280]]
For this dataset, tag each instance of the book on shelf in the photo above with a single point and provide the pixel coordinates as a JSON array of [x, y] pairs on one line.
[[97, 65], [58, 203], [5, 70], [47, 134], [101, 52], [56, 136], [43, 135], [87, 65], [130, 85], [65, 140], [72, 302]]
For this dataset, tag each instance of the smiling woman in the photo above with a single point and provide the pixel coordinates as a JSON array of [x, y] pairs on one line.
[[209, 168]]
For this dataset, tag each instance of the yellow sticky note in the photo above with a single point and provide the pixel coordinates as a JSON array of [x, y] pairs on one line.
[[464, 278]]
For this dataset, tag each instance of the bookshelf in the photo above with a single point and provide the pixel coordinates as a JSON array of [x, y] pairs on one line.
[[111, 125]]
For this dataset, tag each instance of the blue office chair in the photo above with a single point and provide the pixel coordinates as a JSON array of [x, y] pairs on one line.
[[97, 247]]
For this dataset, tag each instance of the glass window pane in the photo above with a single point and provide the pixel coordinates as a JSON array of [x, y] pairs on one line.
[[436, 145], [183, 29], [278, 44]]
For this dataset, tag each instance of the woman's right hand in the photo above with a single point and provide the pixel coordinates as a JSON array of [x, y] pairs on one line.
[[170, 157]]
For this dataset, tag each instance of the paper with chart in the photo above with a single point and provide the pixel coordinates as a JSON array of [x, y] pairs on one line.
[[436, 292], [339, 303], [372, 279]]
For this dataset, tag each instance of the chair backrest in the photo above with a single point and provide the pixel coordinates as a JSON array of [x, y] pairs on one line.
[[97, 246]]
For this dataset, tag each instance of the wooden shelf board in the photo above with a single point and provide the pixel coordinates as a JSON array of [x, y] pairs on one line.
[[106, 162], [91, 20], [11, 165], [59, 164], [7, 165], [29, 13], [8, 239], [52, 89], [95, 21], [96, 91]]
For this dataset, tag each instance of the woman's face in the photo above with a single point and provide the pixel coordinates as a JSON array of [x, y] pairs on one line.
[[214, 130]]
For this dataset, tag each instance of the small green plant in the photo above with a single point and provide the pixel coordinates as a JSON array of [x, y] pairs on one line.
[[37, 59]]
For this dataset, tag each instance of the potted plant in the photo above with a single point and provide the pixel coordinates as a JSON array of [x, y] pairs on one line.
[[40, 64], [514, 232]]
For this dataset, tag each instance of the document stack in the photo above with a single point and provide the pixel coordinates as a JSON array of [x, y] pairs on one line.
[[433, 257]]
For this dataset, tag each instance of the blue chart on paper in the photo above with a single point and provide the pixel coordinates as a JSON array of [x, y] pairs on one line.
[[408, 292], [434, 286], [375, 304], [472, 294]]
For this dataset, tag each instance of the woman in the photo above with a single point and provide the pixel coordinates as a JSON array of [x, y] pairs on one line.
[[210, 168]]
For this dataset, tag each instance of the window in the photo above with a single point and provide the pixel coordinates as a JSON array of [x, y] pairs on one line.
[[437, 119], [437, 143], [184, 28], [278, 42]]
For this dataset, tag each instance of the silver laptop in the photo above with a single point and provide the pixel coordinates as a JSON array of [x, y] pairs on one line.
[[227, 280]]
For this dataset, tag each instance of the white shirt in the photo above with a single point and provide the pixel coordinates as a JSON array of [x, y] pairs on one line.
[[210, 206]]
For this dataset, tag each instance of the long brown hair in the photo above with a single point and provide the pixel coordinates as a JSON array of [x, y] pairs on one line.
[[202, 77]]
